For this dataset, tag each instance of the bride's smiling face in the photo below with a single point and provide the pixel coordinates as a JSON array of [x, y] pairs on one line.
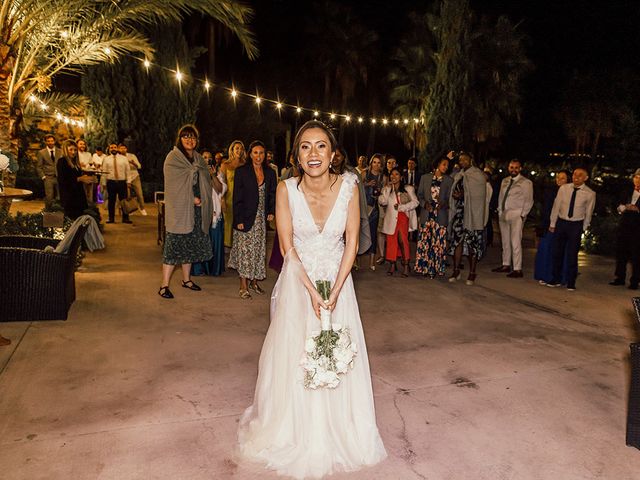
[[315, 153]]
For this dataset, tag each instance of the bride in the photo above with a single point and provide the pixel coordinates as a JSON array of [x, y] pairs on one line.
[[297, 431]]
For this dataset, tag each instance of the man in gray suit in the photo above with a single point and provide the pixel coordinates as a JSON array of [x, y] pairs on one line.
[[46, 167]]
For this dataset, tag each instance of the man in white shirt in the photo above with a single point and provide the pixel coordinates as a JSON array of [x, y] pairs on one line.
[[570, 217], [98, 157], [514, 204], [134, 166], [628, 244], [117, 176]]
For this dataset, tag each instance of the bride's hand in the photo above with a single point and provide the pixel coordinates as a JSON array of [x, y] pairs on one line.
[[316, 302], [333, 299]]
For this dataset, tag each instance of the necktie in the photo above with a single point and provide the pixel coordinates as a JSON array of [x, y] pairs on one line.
[[410, 178], [115, 167], [572, 203], [53, 157], [506, 194]]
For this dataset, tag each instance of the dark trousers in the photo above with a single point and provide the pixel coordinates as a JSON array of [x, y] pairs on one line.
[[116, 188], [566, 243], [628, 249]]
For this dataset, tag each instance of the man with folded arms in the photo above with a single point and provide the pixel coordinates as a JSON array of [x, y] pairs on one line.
[[514, 203], [570, 217]]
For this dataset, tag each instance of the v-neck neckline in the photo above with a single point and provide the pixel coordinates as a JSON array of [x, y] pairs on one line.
[[313, 220]]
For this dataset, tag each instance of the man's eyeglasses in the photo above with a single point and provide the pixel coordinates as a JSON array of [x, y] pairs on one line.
[[188, 136]]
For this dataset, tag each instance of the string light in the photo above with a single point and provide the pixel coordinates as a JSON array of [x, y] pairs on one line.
[[406, 121], [384, 121], [107, 50], [347, 118], [207, 85], [278, 105], [234, 93], [316, 113], [396, 121], [59, 116], [258, 100], [360, 119], [179, 76], [146, 64], [298, 110], [333, 116], [373, 121]]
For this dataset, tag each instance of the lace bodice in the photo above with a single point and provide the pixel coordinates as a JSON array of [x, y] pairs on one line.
[[320, 251]]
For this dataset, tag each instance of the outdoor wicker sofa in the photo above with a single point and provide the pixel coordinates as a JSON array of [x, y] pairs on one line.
[[36, 284]]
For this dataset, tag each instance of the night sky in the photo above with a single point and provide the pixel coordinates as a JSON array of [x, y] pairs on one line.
[[564, 37]]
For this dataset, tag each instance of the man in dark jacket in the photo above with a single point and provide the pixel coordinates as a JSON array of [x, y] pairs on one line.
[[628, 248]]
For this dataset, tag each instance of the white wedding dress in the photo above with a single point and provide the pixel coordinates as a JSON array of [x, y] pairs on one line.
[[299, 432]]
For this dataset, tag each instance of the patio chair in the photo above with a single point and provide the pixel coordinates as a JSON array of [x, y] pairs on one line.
[[36, 284], [633, 412]]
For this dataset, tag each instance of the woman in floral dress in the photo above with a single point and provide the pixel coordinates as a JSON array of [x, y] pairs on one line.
[[433, 194]]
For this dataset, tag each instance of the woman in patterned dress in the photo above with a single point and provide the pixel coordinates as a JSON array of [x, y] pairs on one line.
[[254, 204], [237, 158], [433, 194], [187, 188]]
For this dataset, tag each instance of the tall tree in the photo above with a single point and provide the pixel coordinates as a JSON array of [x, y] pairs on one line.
[[460, 73], [448, 96], [43, 38]]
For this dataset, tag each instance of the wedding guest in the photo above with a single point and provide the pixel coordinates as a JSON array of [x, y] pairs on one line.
[[544, 256], [134, 178], [410, 175], [468, 215], [390, 163], [71, 181], [270, 163], [46, 167], [400, 218], [98, 157], [628, 244], [514, 204], [291, 170], [339, 165], [116, 176], [570, 217], [373, 182], [237, 158], [86, 163], [254, 200], [362, 166], [433, 194], [218, 159], [188, 210], [215, 265]]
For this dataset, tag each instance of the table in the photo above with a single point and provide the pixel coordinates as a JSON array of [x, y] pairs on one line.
[[9, 193]]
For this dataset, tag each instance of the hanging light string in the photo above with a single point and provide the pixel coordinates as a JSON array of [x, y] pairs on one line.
[[60, 116], [281, 105]]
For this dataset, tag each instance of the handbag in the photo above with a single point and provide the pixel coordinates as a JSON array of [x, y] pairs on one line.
[[129, 205]]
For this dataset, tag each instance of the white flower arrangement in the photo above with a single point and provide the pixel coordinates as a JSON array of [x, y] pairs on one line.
[[328, 352]]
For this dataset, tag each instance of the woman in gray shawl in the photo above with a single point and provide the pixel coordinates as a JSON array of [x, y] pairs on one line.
[[188, 210], [468, 214]]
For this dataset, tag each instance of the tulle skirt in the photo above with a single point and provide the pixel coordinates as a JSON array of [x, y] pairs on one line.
[[309, 433]]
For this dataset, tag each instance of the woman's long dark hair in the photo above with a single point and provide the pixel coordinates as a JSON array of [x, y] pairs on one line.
[[401, 185], [73, 162], [254, 144], [298, 140]]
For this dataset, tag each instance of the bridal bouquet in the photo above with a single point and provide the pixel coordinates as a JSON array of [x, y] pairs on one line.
[[329, 352]]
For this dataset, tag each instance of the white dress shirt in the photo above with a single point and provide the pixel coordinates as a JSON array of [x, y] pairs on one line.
[[520, 197], [582, 209], [85, 159], [124, 173], [134, 165], [634, 200], [97, 160]]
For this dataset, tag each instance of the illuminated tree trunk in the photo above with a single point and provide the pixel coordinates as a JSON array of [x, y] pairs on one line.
[[8, 141]]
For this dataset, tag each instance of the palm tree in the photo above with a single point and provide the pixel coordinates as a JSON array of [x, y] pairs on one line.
[[411, 77], [40, 39]]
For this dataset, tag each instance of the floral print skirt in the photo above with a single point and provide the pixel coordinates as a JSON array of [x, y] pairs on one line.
[[188, 247], [431, 251], [249, 251]]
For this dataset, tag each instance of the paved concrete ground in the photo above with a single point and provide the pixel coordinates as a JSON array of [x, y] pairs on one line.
[[503, 380]]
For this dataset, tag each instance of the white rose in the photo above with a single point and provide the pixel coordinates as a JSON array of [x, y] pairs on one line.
[[309, 345]]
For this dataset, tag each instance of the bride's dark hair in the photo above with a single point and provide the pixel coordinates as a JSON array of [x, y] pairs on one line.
[[298, 140]]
